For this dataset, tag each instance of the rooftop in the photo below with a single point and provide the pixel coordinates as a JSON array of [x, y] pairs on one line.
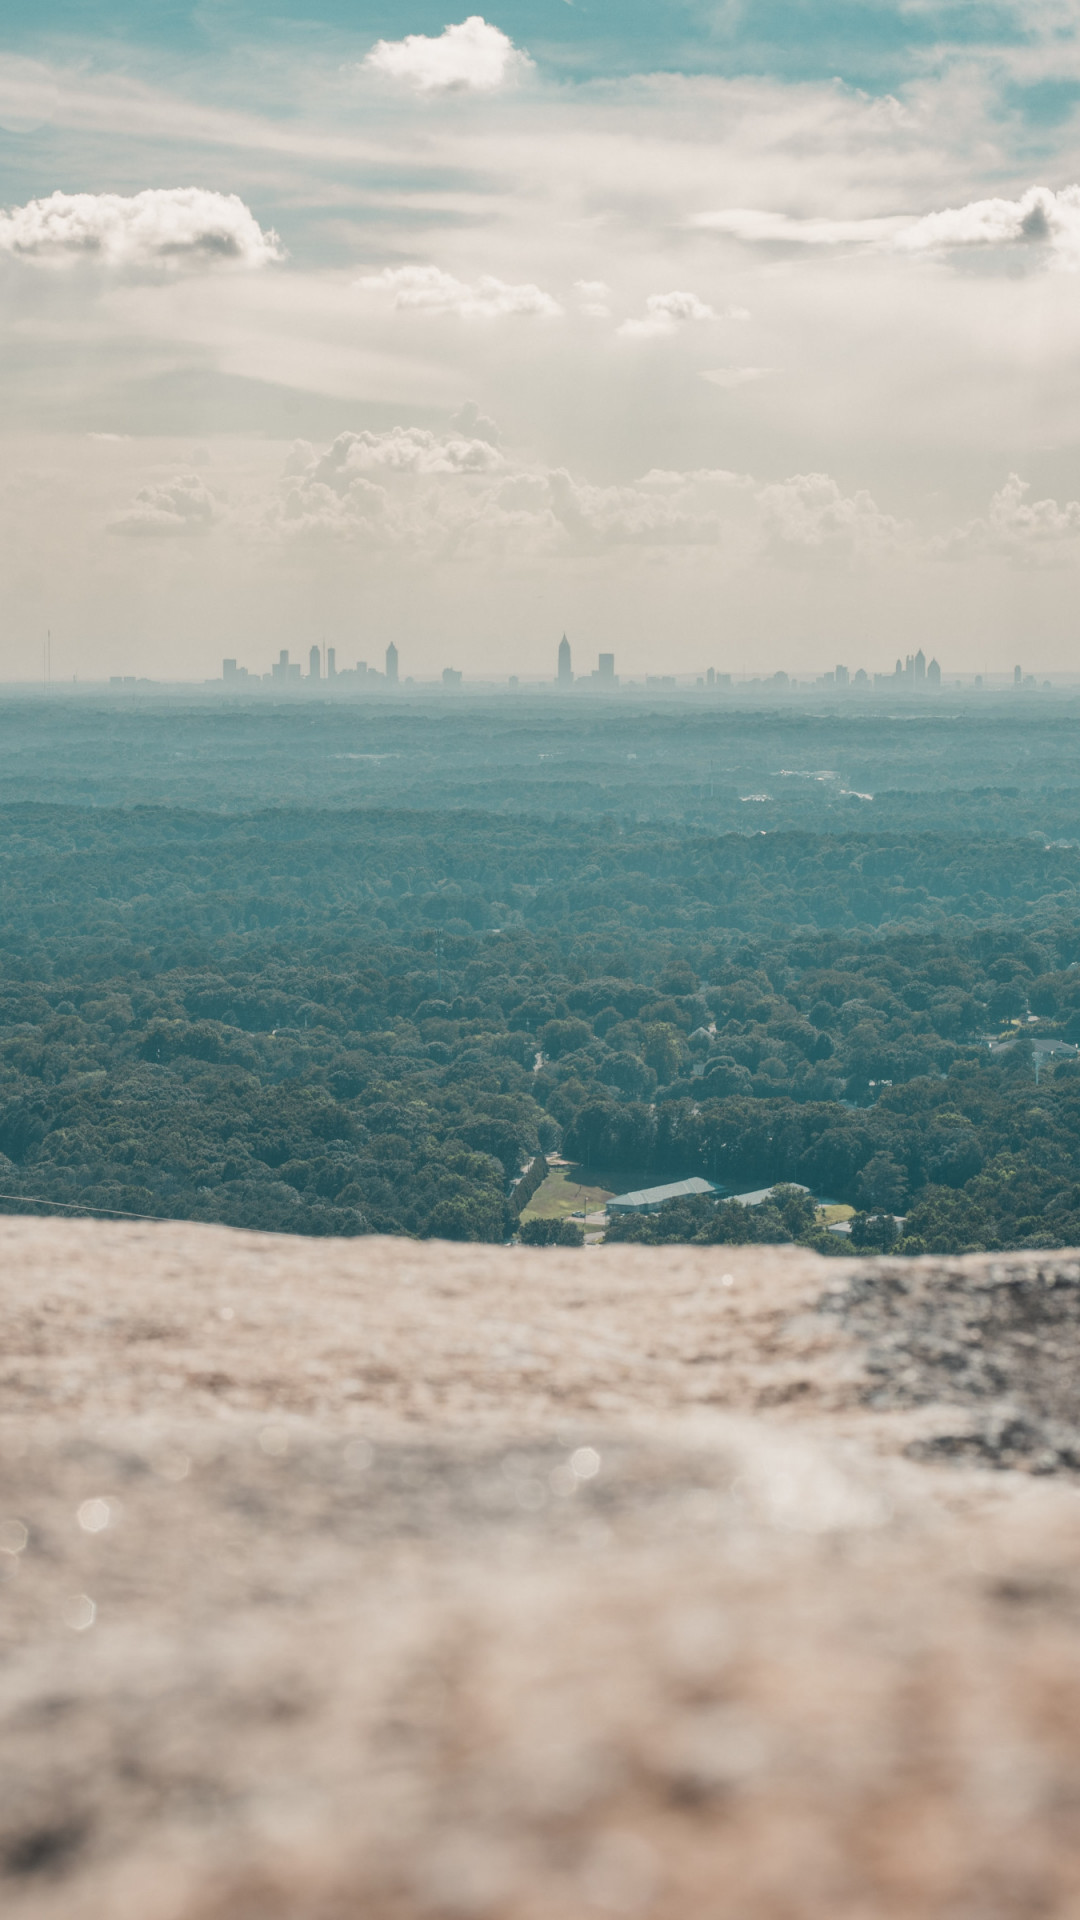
[[656, 1196]]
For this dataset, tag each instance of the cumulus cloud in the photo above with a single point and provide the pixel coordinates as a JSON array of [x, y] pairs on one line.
[[1030, 533], [807, 519], [474, 425], [1040, 219], [429, 290], [413, 450], [182, 506], [439, 497], [472, 57], [665, 313], [167, 226]]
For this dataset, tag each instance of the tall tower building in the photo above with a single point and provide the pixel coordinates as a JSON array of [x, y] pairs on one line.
[[565, 675], [331, 663], [391, 664], [314, 661], [920, 665]]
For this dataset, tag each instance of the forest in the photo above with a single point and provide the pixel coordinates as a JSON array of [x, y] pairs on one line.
[[345, 1020]]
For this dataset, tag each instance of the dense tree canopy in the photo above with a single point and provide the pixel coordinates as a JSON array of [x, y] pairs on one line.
[[334, 1022]]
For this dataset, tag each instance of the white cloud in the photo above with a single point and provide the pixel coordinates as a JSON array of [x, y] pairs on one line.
[[807, 518], [182, 506], [594, 518], [698, 479], [472, 57], [665, 313], [429, 290], [759, 227], [1046, 222], [172, 227], [1030, 533], [594, 298], [474, 425], [1040, 219], [414, 450], [440, 497]]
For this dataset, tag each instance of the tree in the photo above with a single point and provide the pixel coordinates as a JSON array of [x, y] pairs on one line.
[[662, 1048], [557, 1037], [881, 1186], [551, 1233], [878, 1230]]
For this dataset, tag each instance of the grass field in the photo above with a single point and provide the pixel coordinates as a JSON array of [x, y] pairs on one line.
[[564, 1193]]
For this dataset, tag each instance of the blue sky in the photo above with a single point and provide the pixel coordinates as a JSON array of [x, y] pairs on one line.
[[865, 42], [750, 325]]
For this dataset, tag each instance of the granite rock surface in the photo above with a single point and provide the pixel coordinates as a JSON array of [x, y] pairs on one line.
[[384, 1579]]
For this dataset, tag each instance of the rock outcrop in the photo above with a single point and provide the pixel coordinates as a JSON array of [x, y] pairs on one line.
[[411, 1581]]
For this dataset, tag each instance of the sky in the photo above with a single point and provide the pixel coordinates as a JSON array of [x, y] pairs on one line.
[[733, 335]]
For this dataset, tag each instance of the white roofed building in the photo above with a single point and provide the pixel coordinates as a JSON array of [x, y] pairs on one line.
[[651, 1199]]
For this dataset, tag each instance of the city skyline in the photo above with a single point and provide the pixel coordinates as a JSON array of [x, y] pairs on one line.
[[914, 671]]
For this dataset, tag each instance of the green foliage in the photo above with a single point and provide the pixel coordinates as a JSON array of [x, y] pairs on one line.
[[874, 1231], [251, 1019], [881, 1185], [787, 1214], [551, 1233]]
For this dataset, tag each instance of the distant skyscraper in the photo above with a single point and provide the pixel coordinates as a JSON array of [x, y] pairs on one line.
[[228, 669], [933, 674], [842, 676], [566, 676], [1017, 676], [314, 661], [391, 664], [920, 665], [280, 668], [605, 666], [331, 663]]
